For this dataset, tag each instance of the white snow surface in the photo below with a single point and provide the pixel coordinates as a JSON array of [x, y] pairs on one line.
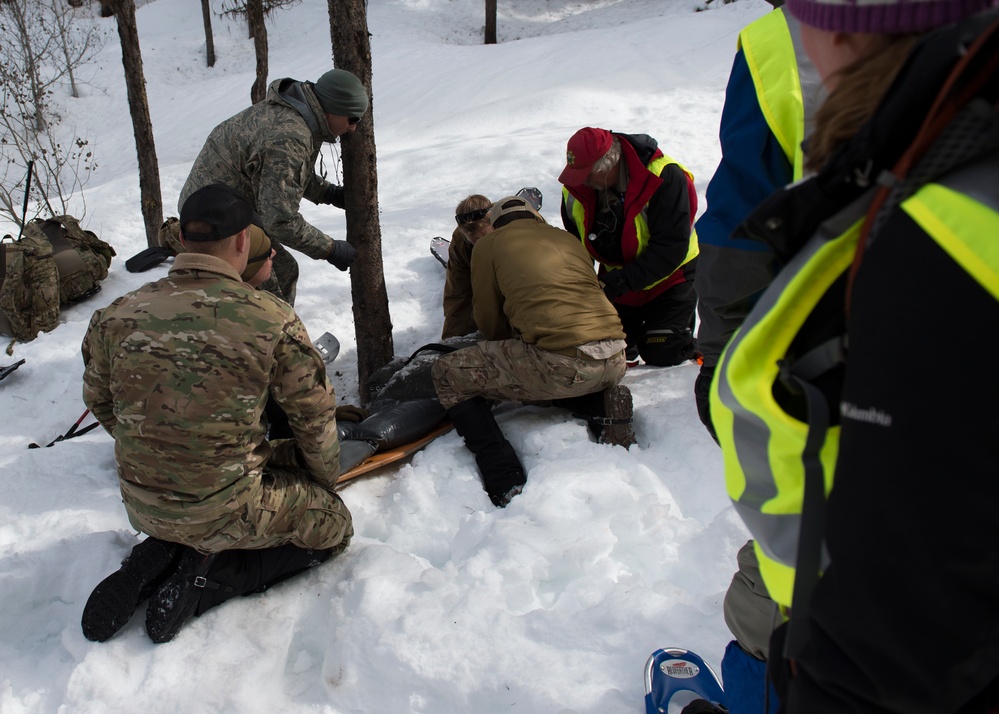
[[442, 603]]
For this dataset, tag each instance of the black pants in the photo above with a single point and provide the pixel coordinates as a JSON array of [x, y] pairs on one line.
[[244, 572], [663, 328]]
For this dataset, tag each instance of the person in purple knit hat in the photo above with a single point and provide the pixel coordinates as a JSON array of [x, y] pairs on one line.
[[864, 468]]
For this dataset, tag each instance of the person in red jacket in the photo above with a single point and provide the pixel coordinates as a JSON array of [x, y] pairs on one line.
[[633, 209]]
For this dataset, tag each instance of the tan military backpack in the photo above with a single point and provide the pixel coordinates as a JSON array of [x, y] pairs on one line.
[[54, 262]]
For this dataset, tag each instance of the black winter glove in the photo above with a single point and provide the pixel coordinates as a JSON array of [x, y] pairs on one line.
[[341, 255], [702, 395], [614, 284], [334, 196]]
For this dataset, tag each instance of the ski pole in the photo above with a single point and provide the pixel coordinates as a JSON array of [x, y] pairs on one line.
[[71, 432], [4, 371], [27, 192]]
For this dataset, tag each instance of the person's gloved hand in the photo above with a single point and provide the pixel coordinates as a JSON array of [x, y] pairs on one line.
[[702, 396], [614, 284], [348, 412], [334, 196], [341, 255]]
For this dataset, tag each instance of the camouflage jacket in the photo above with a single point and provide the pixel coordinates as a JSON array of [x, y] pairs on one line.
[[268, 153], [537, 282], [179, 372]]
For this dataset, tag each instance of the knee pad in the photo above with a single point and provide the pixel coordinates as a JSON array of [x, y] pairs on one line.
[[667, 347]]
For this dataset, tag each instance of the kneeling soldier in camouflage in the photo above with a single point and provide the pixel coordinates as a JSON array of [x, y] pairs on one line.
[[552, 337], [179, 372]]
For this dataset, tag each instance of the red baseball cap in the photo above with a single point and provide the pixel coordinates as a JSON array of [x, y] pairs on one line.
[[584, 149]]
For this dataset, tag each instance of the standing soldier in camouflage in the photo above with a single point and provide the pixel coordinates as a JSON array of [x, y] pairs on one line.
[[551, 337], [268, 154], [179, 372]]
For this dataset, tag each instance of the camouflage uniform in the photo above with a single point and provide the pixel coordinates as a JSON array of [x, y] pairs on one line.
[[268, 153], [179, 372], [551, 331]]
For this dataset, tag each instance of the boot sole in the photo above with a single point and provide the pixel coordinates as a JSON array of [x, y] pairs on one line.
[[113, 602]]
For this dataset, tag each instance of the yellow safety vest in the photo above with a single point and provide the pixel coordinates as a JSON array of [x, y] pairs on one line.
[[765, 449], [778, 67], [578, 212]]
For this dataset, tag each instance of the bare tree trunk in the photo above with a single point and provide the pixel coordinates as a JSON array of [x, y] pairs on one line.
[[142, 126], [258, 30], [372, 323], [31, 68], [490, 22], [206, 14]]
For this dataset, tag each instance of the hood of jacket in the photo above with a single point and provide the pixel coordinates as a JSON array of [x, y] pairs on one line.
[[643, 144], [299, 96]]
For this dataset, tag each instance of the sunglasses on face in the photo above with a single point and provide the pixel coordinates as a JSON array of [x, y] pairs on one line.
[[262, 256], [353, 120], [463, 218]]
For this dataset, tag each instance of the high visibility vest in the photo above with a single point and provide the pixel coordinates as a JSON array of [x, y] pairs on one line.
[[767, 451], [786, 82], [642, 233]]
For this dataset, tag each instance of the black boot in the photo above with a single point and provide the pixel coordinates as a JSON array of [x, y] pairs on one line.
[[113, 601], [502, 473], [177, 598], [202, 582], [245, 572], [619, 416], [609, 414], [703, 706]]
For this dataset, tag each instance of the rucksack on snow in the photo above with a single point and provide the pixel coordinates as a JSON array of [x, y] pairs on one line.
[[55, 262]]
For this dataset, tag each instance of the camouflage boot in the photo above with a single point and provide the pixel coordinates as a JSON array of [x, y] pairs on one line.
[[113, 601]]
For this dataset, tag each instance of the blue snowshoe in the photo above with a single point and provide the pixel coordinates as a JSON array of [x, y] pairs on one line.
[[675, 677]]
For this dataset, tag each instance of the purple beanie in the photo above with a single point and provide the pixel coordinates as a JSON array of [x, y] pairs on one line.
[[890, 17]]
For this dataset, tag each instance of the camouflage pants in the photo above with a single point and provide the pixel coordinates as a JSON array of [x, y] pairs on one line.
[[516, 371], [286, 507], [283, 281]]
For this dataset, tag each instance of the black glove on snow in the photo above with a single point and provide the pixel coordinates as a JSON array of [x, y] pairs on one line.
[[334, 196], [614, 284], [702, 395], [341, 255]]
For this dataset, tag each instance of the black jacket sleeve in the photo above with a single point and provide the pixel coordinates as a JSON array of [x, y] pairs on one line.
[[668, 215]]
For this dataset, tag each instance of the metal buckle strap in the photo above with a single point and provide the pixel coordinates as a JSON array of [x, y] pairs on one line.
[[200, 581]]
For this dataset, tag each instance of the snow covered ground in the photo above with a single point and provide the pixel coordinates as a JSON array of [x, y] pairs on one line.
[[442, 603]]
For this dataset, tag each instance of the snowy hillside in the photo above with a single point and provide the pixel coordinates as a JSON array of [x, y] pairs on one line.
[[442, 603]]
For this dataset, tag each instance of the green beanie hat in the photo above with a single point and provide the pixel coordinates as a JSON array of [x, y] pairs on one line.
[[340, 93]]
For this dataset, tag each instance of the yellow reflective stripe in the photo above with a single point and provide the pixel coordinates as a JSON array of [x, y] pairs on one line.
[[577, 212], [762, 444], [772, 63], [778, 577], [642, 226], [966, 229]]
